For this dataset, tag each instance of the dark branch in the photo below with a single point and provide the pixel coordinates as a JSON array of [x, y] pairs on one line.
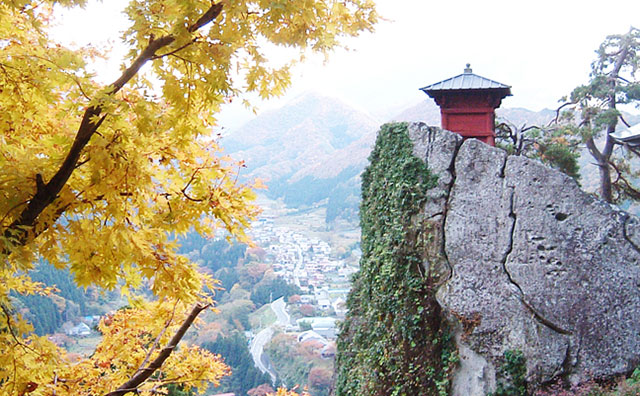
[[157, 340], [5, 310], [143, 374], [186, 187], [21, 229], [211, 14], [175, 50], [626, 187], [555, 120], [624, 121], [595, 153]]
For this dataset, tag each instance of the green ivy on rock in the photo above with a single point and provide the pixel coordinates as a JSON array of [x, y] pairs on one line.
[[512, 379], [394, 340]]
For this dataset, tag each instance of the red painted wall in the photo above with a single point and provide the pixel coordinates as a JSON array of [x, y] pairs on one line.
[[471, 114]]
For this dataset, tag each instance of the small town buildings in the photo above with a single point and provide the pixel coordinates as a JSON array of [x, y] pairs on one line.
[[324, 304], [311, 335], [307, 299], [340, 307], [324, 326], [81, 330]]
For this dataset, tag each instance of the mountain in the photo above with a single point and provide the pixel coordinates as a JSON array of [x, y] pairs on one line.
[[314, 148], [305, 149]]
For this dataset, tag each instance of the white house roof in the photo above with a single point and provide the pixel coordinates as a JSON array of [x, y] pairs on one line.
[[311, 335]]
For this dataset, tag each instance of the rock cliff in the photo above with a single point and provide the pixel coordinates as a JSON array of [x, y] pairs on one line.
[[531, 264]]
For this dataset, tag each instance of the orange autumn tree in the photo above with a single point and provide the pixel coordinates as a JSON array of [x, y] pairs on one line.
[[285, 392], [99, 179]]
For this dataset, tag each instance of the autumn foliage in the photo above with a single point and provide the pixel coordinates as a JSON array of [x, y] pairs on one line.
[[100, 179]]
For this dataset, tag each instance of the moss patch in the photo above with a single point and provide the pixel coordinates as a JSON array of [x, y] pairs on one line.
[[394, 340]]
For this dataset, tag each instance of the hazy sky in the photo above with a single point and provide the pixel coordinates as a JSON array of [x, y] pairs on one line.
[[541, 48]]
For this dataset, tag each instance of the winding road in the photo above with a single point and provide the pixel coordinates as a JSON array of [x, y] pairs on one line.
[[256, 347], [278, 307]]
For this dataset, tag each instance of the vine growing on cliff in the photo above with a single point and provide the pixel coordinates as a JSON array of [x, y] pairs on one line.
[[394, 340]]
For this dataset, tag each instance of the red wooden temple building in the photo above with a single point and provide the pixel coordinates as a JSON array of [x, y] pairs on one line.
[[467, 104]]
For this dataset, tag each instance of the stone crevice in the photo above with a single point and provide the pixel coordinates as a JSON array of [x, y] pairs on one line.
[[625, 233], [445, 208], [563, 369], [566, 363], [510, 236], [503, 170], [433, 216], [520, 293]]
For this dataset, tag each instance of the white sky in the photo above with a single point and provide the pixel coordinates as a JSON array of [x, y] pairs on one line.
[[541, 48]]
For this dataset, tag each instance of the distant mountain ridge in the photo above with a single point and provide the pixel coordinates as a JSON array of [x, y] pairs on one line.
[[301, 134], [429, 113], [306, 149], [314, 148]]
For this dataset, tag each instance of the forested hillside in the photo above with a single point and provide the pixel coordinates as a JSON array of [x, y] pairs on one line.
[[48, 313], [244, 375], [305, 150]]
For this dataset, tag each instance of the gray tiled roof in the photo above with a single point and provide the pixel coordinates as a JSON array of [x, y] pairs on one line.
[[466, 80]]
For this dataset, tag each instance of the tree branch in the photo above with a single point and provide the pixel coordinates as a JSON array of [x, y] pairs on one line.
[[175, 50], [21, 229], [595, 153], [626, 187], [562, 106], [143, 374], [624, 121], [157, 340], [5, 310]]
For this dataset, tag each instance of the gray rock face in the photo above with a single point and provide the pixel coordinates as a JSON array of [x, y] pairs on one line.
[[535, 265]]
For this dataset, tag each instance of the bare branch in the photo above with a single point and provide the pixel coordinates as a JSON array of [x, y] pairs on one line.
[[626, 187], [595, 153], [186, 187], [624, 79], [211, 14], [555, 120], [624, 121]]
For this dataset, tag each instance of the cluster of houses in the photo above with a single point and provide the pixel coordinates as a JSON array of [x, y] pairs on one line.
[[327, 347], [307, 263]]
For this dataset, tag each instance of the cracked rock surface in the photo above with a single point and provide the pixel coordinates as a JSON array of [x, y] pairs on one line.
[[535, 265]]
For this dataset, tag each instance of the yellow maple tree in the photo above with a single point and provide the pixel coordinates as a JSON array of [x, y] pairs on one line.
[[100, 179]]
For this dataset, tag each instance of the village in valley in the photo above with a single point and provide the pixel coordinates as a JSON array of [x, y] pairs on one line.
[[303, 258]]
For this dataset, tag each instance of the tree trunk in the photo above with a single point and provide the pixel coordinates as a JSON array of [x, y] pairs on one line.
[[603, 166], [605, 182]]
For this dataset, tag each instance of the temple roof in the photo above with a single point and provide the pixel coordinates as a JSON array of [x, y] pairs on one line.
[[466, 81], [630, 136]]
